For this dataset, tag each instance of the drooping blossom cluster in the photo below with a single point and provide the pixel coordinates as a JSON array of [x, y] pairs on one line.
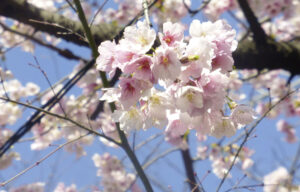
[[113, 175], [181, 85]]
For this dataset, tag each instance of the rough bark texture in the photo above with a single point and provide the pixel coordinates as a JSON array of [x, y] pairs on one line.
[[275, 55], [53, 23]]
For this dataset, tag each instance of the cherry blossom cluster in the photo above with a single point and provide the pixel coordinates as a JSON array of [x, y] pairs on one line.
[[273, 85], [279, 180], [222, 157], [36, 187], [265, 8], [161, 12], [10, 113], [290, 132], [113, 175], [79, 109], [127, 10], [215, 8], [180, 85], [6, 159], [40, 187], [284, 26], [9, 39], [51, 129]]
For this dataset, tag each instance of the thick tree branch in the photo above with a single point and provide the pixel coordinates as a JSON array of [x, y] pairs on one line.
[[62, 52], [276, 55], [189, 170], [259, 34], [53, 23]]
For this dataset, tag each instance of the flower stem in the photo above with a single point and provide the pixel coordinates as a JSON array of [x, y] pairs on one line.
[[105, 82]]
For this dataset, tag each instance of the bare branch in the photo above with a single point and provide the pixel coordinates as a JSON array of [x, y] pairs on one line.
[[41, 160], [259, 34], [194, 12]]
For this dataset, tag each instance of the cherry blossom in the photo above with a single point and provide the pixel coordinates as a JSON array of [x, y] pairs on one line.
[[288, 130], [62, 188], [36, 187], [276, 180], [114, 176], [138, 39]]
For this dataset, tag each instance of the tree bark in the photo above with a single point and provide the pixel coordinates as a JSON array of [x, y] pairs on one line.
[[54, 23]]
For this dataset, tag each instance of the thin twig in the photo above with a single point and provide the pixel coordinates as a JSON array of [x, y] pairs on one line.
[[59, 26], [62, 52], [37, 116], [150, 162], [71, 5], [34, 137], [153, 151], [194, 12], [149, 139], [38, 66], [238, 20], [249, 187], [98, 11], [41, 160], [248, 134], [293, 168], [61, 117]]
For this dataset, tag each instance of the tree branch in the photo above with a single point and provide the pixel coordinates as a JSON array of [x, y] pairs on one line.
[[54, 24], [62, 52], [259, 34], [37, 116], [277, 55], [189, 169], [125, 145]]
